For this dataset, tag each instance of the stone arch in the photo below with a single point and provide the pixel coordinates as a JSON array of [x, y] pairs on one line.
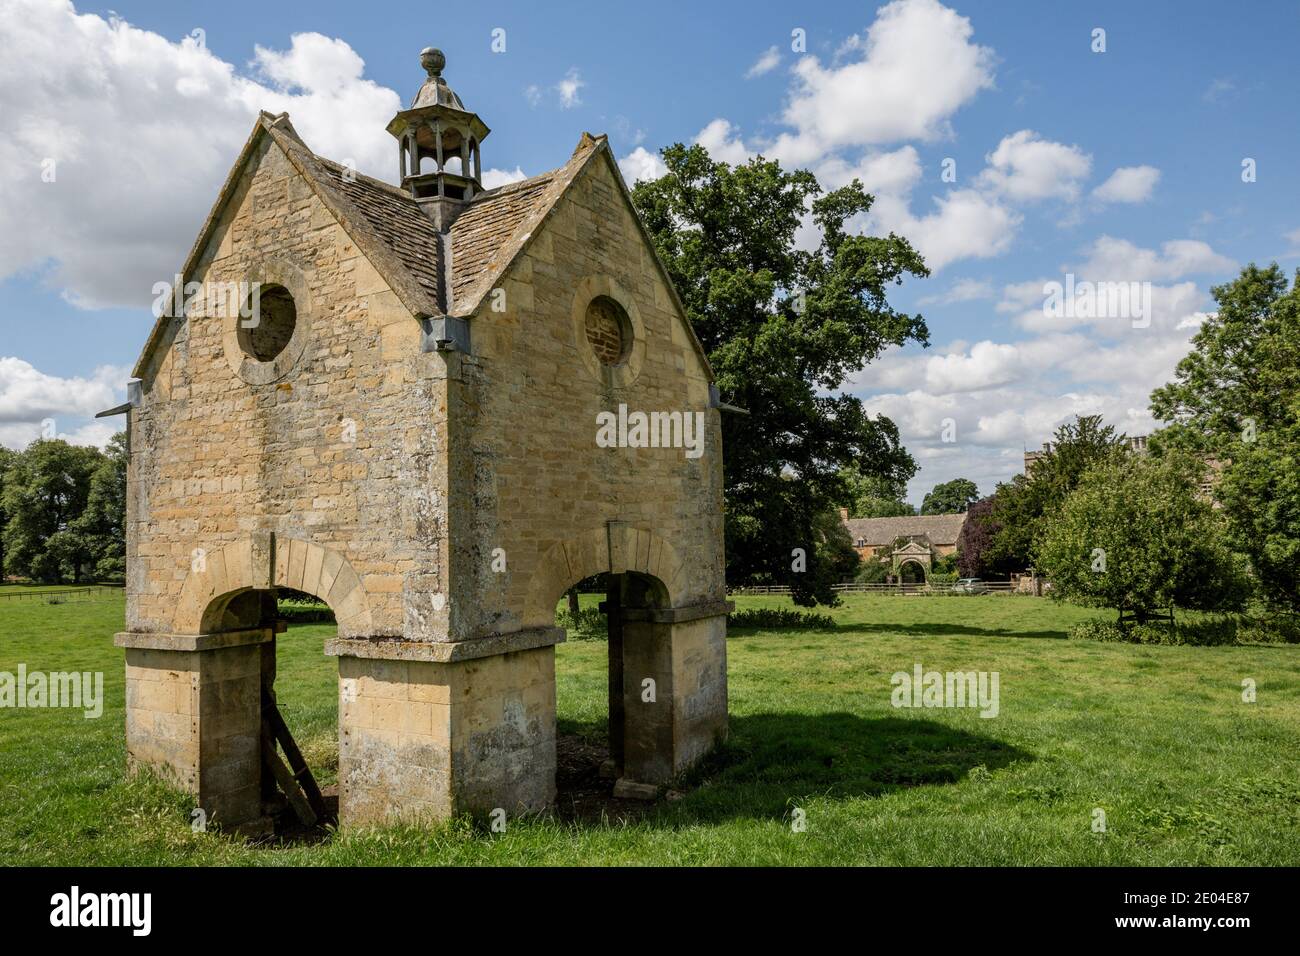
[[219, 576], [615, 549], [916, 563]]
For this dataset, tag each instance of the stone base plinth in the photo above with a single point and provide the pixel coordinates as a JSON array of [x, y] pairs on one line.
[[674, 689], [427, 731], [193, 714]]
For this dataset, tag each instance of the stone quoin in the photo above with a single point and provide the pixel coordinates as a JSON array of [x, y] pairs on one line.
[[412, 440]]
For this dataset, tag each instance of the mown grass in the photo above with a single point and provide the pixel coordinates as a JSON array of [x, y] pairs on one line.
[[1157, 737]]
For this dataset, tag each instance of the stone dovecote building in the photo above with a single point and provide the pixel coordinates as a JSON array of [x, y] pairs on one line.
[[405, 427]]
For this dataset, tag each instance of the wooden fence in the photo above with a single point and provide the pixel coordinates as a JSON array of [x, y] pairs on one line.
[[905, 590], [97, 592]]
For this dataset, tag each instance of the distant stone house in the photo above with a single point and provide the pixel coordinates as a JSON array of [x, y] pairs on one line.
[[915, 540]]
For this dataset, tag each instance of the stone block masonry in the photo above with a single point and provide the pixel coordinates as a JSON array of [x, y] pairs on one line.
[[412, 438]]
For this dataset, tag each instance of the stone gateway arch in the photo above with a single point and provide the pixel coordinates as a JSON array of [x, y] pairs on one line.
[[387, 397]]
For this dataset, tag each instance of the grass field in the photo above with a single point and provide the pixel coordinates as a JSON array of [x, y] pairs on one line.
[[1156, 737]]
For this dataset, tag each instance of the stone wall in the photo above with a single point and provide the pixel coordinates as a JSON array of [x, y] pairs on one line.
[[423, 739], [346, 449], [530, 474]]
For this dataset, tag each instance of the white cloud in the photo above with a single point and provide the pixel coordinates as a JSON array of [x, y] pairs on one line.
[[641, 164], [966, 224], [1128, 184], [1026, 168], [1118, 259], [917, 67], [28, 397], [492, 178], [569, 88], [963, 290], [142, 132], [766, 63], [890, 173], [723, 142], [1003, 397]]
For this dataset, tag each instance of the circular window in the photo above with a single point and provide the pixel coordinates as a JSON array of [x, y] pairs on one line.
[[267, 330], [609, 333]]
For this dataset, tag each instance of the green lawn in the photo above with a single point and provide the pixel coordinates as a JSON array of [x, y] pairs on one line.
[[1158, 737]]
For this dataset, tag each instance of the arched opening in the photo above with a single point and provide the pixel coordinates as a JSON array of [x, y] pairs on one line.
[[911, 572], [598, 721], [295, 696]]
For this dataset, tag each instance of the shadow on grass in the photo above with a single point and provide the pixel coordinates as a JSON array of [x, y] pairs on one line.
[[771, 762], [936, 629]]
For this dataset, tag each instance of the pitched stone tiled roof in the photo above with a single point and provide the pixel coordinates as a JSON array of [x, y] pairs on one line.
[[401, 241], [481, 233], [399, 222], [878, 532]]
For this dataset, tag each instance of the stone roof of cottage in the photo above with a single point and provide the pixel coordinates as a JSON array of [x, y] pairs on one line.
[[879, 532], [431, 274]]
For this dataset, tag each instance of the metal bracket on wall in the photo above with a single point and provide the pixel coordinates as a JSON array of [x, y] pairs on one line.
[[444, 332], [715, 401]]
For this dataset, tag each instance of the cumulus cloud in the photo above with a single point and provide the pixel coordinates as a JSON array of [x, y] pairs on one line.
[[1117, 259], [766, 63], [963, 290], [641, 164], [1128, 184], [964, 224], [1026, 167], [139, 132], [723, 142], [916, 67], [1001, 397], [492, 178], [30, 398]]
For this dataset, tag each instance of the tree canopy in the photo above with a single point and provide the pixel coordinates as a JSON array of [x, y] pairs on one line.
[[1022, 505], [64, 510], [783, 328], [1134, 535], [873, 497], [1236, 397], [950, 497]]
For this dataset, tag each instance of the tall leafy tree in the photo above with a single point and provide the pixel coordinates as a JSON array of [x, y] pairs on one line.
[[103, 522], [783, 328], [1022, 505], [975, 543], [1136, 536], [1244, 366], [874, 497], [1236, 397], [46, 490], [7, 456], [1260, 496], [950, 497]]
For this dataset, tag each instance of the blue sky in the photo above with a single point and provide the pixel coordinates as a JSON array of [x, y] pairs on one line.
[[144, 126]]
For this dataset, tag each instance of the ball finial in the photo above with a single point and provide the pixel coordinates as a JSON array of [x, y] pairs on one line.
[[432, 60]]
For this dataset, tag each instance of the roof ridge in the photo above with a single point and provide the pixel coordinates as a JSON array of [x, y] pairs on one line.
[[515, 185]]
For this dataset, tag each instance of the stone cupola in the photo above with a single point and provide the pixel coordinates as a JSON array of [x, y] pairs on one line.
[[437, 127]]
